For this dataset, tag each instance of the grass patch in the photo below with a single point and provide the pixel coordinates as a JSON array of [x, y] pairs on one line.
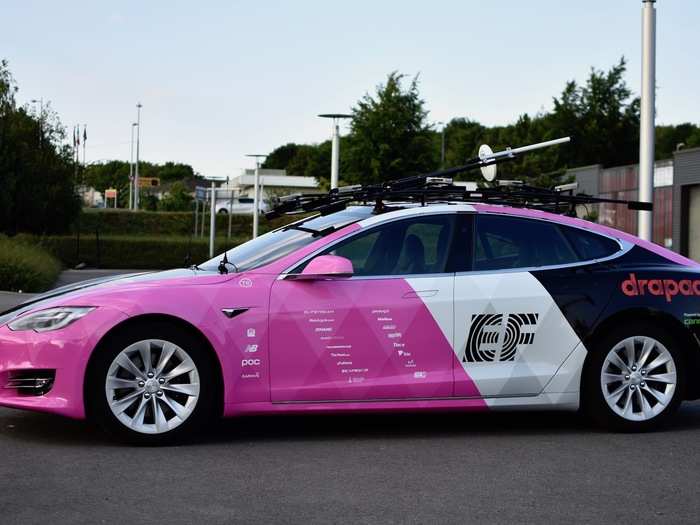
[[26, 268]]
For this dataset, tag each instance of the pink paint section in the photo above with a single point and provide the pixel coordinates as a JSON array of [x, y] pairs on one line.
[[67, 351], [272, 351], [328, 265], [355, 340], [580, 223]]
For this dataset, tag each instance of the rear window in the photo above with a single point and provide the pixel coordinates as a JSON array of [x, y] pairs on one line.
[[590, 245], [505, 242]]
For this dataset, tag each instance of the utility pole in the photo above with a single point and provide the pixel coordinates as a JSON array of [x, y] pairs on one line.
[[136, 172], [256, 192], [131, 168], [647, 118], [335, 146], [230, 206], [212, 219]]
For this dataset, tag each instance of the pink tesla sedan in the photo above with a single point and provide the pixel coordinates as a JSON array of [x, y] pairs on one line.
[[441, 306]]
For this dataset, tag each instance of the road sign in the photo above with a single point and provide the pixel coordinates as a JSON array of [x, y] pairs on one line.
[[149, 182], [110, 193]]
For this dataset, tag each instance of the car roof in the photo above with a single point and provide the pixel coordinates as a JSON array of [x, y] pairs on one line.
[[415, 209]]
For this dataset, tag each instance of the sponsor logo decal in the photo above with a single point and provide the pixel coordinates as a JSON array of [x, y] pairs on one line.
[[691, 319], [245, 283], [497, 337], [668, 288]]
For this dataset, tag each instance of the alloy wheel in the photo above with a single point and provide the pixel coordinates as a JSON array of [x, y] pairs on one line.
[[152, 386], [638, 378]]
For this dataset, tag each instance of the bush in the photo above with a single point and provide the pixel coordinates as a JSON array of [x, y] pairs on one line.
[[26, 268], [129, 251], [126, 222]]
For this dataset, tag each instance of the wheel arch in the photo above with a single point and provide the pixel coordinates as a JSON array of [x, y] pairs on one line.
[[689, 345], [164, 318]]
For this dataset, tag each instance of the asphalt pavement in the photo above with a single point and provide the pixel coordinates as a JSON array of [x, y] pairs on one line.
[[401, 468], [404, 468]]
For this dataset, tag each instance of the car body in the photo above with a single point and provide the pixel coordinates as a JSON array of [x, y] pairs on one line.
[[239, 206], [444, 306]]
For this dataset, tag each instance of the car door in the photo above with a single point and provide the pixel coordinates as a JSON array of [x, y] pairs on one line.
[[373, 335], [510, 335]]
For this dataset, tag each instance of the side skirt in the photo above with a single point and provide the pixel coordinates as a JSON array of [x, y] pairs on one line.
[[550, 401]]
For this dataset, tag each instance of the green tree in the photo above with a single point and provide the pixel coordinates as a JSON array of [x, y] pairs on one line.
[[602, 118], [178, 198], [37, 174], [390, 137], [280, 158]]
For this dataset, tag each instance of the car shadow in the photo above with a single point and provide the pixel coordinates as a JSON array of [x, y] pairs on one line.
[[45, 428]]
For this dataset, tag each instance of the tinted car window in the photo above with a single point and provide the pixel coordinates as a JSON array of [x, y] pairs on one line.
[[590, 245], [503, 242], [282, 241], [412, 246]]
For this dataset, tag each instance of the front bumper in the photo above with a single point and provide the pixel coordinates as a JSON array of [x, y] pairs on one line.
[[65, 352]]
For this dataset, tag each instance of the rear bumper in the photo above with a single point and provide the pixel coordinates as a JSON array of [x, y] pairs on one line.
[[65, 351]]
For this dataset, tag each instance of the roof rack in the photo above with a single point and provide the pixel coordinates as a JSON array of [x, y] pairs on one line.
[[439, 187]]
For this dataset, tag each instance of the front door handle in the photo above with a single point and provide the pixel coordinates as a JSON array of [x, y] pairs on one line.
[[413, 294]]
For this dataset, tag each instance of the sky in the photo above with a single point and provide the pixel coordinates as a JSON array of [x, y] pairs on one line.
[[220, 79]]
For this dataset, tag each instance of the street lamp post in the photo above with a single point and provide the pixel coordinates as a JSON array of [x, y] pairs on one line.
[[256, 191], [40, 101], [136, 170], [647, 118], [335, 145], [131, 168], [442, 144]]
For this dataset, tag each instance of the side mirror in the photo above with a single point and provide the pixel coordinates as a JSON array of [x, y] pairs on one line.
[[326, 267]]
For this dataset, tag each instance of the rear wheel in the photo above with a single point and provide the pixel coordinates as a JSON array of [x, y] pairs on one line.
[[152, 384], [634, 381]]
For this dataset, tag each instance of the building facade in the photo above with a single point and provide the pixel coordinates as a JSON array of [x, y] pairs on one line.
[[676, 223]]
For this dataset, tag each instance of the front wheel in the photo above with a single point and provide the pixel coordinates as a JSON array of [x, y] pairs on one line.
[[151, 384], [634, 381]]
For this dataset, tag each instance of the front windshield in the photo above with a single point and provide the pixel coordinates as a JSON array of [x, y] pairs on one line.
[[282, 241]]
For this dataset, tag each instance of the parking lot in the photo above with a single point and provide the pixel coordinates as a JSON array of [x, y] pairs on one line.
[[405, 468]]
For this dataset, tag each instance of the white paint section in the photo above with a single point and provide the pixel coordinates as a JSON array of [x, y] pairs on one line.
[[568, 377], [534, 363], [564, 401]]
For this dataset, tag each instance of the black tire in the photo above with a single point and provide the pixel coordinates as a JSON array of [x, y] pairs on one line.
[[594, 403], [97, 405]]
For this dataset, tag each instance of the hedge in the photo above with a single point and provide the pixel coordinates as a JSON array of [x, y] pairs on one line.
[[138, 252], [126, 222], [26, 268]]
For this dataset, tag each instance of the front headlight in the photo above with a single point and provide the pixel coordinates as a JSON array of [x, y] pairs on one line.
[[50, 319]]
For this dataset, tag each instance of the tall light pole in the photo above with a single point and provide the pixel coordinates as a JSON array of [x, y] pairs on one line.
[[335, 145], [647, 118], [40, 101], [256, 191], [136, 170], [442, 144], [131, 168]]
